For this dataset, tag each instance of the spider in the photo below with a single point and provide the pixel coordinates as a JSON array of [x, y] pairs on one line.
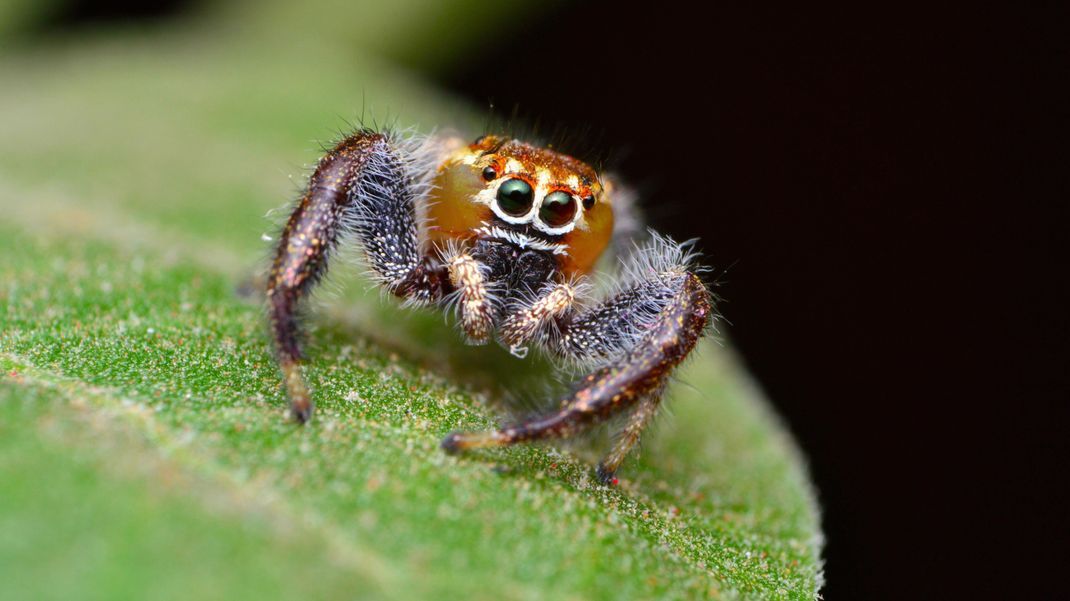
[[506, 234]]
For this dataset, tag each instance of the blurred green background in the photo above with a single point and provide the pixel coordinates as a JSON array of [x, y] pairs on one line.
[[143, 447]]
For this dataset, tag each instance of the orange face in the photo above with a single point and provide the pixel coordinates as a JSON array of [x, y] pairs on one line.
[[530, 196]]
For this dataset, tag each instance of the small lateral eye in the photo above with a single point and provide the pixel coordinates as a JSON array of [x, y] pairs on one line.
[[515, 197], [489, 173], [558, 208], [588, 201]]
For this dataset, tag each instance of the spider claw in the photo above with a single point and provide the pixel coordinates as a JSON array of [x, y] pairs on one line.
[[300, 401], [452, 443], [605, 475], [301, 411]]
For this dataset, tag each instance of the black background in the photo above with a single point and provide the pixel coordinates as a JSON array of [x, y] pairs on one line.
[[884, 192]]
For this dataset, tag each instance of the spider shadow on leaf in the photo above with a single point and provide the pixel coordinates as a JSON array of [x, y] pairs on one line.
[[515, 387]]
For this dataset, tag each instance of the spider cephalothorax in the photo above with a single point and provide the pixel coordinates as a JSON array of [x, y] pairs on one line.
[[507, 234]]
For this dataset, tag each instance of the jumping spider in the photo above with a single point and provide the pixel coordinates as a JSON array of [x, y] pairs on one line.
[[507, 234]]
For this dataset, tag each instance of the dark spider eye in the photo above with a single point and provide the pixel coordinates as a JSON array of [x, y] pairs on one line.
[[558, 208], [515, 197], [588, 201], [489, 173]]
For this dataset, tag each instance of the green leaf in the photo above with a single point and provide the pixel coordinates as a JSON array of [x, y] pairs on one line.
[[144, 450]]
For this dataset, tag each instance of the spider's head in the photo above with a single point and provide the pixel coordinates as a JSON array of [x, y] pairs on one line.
[[523, 194]]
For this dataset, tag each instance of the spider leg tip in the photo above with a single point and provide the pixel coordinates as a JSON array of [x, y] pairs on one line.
[[606, 476], [301, 412], [452, 443]]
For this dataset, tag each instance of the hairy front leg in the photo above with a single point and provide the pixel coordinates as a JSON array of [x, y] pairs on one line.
[[636, 377], [361, 186]]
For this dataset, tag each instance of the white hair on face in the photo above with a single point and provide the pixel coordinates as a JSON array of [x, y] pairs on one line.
[[522, 240]]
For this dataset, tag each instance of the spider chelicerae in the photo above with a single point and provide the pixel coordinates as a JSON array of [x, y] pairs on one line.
[[507, 234]]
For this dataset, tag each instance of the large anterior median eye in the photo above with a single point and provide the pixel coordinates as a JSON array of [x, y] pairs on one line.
[[515, 197], [558, 208]]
